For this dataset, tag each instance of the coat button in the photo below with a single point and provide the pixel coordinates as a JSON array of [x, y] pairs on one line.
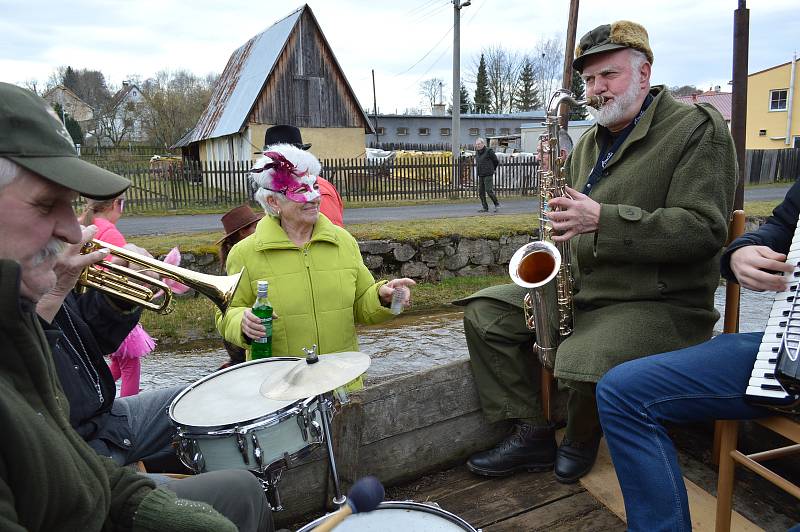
[[605, 173], [126, 442]]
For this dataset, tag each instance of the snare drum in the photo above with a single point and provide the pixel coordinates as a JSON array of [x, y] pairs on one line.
[[223, 422], [400, 517]]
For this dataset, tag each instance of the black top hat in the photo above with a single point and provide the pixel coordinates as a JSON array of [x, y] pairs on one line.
[[284, 134]]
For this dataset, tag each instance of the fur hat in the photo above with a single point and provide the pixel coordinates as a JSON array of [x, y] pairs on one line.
[[286, 162], [610, 37]]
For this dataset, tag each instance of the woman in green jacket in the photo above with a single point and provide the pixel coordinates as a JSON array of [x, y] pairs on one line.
[[319, 286]]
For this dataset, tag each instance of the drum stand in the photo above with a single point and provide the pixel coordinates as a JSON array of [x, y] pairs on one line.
[[269, 483], [325, 410]]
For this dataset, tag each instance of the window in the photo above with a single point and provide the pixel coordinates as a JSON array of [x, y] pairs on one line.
[[424, 131], [380, 130], [401, 131], [517, 131], [777, 99], [504, 131], [796, 142], [445, 132], [762, 132], [489, 131], [473, 132], [130, 106]]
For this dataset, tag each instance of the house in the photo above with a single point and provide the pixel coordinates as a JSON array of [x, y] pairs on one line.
[[286, 74], [531, 132], [432, 131], [773, 110], [71, 103], [722, 101], [122, 120]]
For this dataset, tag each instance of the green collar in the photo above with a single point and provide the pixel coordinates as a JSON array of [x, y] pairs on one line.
[[270, 235]]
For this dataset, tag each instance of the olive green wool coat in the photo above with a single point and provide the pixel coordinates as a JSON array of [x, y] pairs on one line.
[[645, 280]]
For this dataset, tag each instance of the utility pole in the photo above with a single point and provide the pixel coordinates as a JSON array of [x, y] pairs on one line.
[[456, 125], [569, 54], [375, 110]]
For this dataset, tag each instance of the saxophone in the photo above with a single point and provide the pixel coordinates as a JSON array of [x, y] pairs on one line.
[[544, 266]]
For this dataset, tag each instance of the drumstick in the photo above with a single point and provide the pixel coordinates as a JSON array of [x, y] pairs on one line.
[[365, 495]]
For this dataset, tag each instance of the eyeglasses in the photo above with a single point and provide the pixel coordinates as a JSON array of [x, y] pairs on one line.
[[121, 204]]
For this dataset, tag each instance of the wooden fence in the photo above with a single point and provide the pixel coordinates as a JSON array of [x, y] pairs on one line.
[[195, 185], [768, 166]]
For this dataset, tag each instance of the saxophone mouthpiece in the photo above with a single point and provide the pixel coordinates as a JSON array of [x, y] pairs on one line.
[[595, 101]]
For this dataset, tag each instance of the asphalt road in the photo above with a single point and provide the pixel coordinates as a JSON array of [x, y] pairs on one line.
[[152, 225]]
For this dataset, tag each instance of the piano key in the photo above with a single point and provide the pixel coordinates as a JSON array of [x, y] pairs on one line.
[[753, 391]]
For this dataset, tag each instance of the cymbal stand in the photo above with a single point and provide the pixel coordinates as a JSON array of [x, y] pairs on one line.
[[325, 411]]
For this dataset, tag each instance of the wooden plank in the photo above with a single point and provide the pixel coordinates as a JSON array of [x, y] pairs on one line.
[[576, 512], [603, 484], [501, 498]]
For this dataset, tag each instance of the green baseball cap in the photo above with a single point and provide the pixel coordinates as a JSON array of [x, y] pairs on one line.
[[32, 136], [610, 37]]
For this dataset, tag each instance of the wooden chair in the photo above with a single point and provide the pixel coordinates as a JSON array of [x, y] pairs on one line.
[[726, 431]]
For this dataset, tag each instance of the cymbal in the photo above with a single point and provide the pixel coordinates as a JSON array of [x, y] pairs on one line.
[[302, 380]]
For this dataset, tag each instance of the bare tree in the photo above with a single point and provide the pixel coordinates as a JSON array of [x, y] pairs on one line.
[[117, 120], [175, 101], [431, 90], [32, 84], [548, 65], [502, 71]]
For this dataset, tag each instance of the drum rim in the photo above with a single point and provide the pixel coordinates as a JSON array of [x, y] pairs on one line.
[[405, 505], [281, 414]]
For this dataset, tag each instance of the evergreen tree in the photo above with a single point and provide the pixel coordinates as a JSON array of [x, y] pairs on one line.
[[526, 96], [70, 80], [466, 104], [73, 127], [578, 89], [482, 100]]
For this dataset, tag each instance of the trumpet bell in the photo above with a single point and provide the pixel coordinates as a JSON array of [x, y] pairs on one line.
[[139, 288]]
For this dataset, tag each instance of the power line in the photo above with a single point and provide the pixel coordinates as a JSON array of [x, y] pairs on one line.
[[426, 53], [423, 6], [434, 10]]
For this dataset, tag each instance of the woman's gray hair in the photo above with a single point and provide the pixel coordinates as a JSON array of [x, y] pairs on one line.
[[262, 179], [481, 140]]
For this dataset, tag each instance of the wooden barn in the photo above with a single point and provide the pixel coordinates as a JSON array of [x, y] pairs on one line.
[[286, 74]]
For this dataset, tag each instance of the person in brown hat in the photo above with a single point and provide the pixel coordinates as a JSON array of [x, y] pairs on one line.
[[238, 223], [650, 188]]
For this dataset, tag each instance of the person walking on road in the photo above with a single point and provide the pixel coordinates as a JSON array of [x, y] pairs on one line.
[[486, 163]]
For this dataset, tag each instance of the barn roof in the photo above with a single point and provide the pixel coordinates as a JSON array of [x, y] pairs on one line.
[[243, 79]]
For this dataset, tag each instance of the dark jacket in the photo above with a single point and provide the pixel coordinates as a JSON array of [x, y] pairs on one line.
[[102, 327], [645, 280], [776, 233], [486, 161]]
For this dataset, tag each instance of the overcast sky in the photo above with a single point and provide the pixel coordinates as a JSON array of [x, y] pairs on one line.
[[404, 41]]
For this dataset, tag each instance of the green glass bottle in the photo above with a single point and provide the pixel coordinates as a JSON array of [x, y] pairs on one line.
[[262, 347]]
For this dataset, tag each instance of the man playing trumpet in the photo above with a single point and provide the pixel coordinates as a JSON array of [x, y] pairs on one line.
[[646, 216]]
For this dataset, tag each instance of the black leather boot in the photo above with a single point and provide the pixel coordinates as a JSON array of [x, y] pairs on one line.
[[574, 459], [527, 448]]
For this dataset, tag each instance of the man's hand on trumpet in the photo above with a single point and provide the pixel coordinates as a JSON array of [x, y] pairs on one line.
[[69, 265]]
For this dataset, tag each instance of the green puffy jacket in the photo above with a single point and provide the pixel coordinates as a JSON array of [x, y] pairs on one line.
[[319, 291]]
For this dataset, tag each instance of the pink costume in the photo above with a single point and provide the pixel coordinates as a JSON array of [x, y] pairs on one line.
[[125, 361]]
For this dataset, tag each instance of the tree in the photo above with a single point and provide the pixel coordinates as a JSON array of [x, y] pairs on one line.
[[578, 88], [482, 99], [72, 125], [548, 64], [431, 90], [684, 90], [466, 104], [89, 85], [526, 96], [502, 71], [175, 102]]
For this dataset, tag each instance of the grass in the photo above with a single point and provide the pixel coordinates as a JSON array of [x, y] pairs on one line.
[[193, 317]]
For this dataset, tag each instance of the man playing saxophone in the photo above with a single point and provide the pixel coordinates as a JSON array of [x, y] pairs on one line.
[[645, 214]]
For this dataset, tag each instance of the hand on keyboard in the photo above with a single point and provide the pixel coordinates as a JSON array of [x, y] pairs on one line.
[[750, 262]]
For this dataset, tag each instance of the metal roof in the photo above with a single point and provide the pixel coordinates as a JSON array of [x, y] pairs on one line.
[[722, 101], [241, 82]]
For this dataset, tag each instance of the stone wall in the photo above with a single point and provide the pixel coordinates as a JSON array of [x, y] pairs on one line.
[[441, 258]]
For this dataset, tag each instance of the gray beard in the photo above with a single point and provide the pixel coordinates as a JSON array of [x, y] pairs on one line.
[[613, 112], [53, 248]]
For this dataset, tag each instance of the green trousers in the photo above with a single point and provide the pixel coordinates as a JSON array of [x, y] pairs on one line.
[[507, 373]]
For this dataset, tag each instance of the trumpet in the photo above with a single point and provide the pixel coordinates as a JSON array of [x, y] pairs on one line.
[[141, 289]]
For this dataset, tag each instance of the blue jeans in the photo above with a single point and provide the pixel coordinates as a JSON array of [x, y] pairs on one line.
[[635, 399]]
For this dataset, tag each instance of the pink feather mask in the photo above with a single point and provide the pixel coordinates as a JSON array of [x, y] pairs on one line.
[[297, 185]]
